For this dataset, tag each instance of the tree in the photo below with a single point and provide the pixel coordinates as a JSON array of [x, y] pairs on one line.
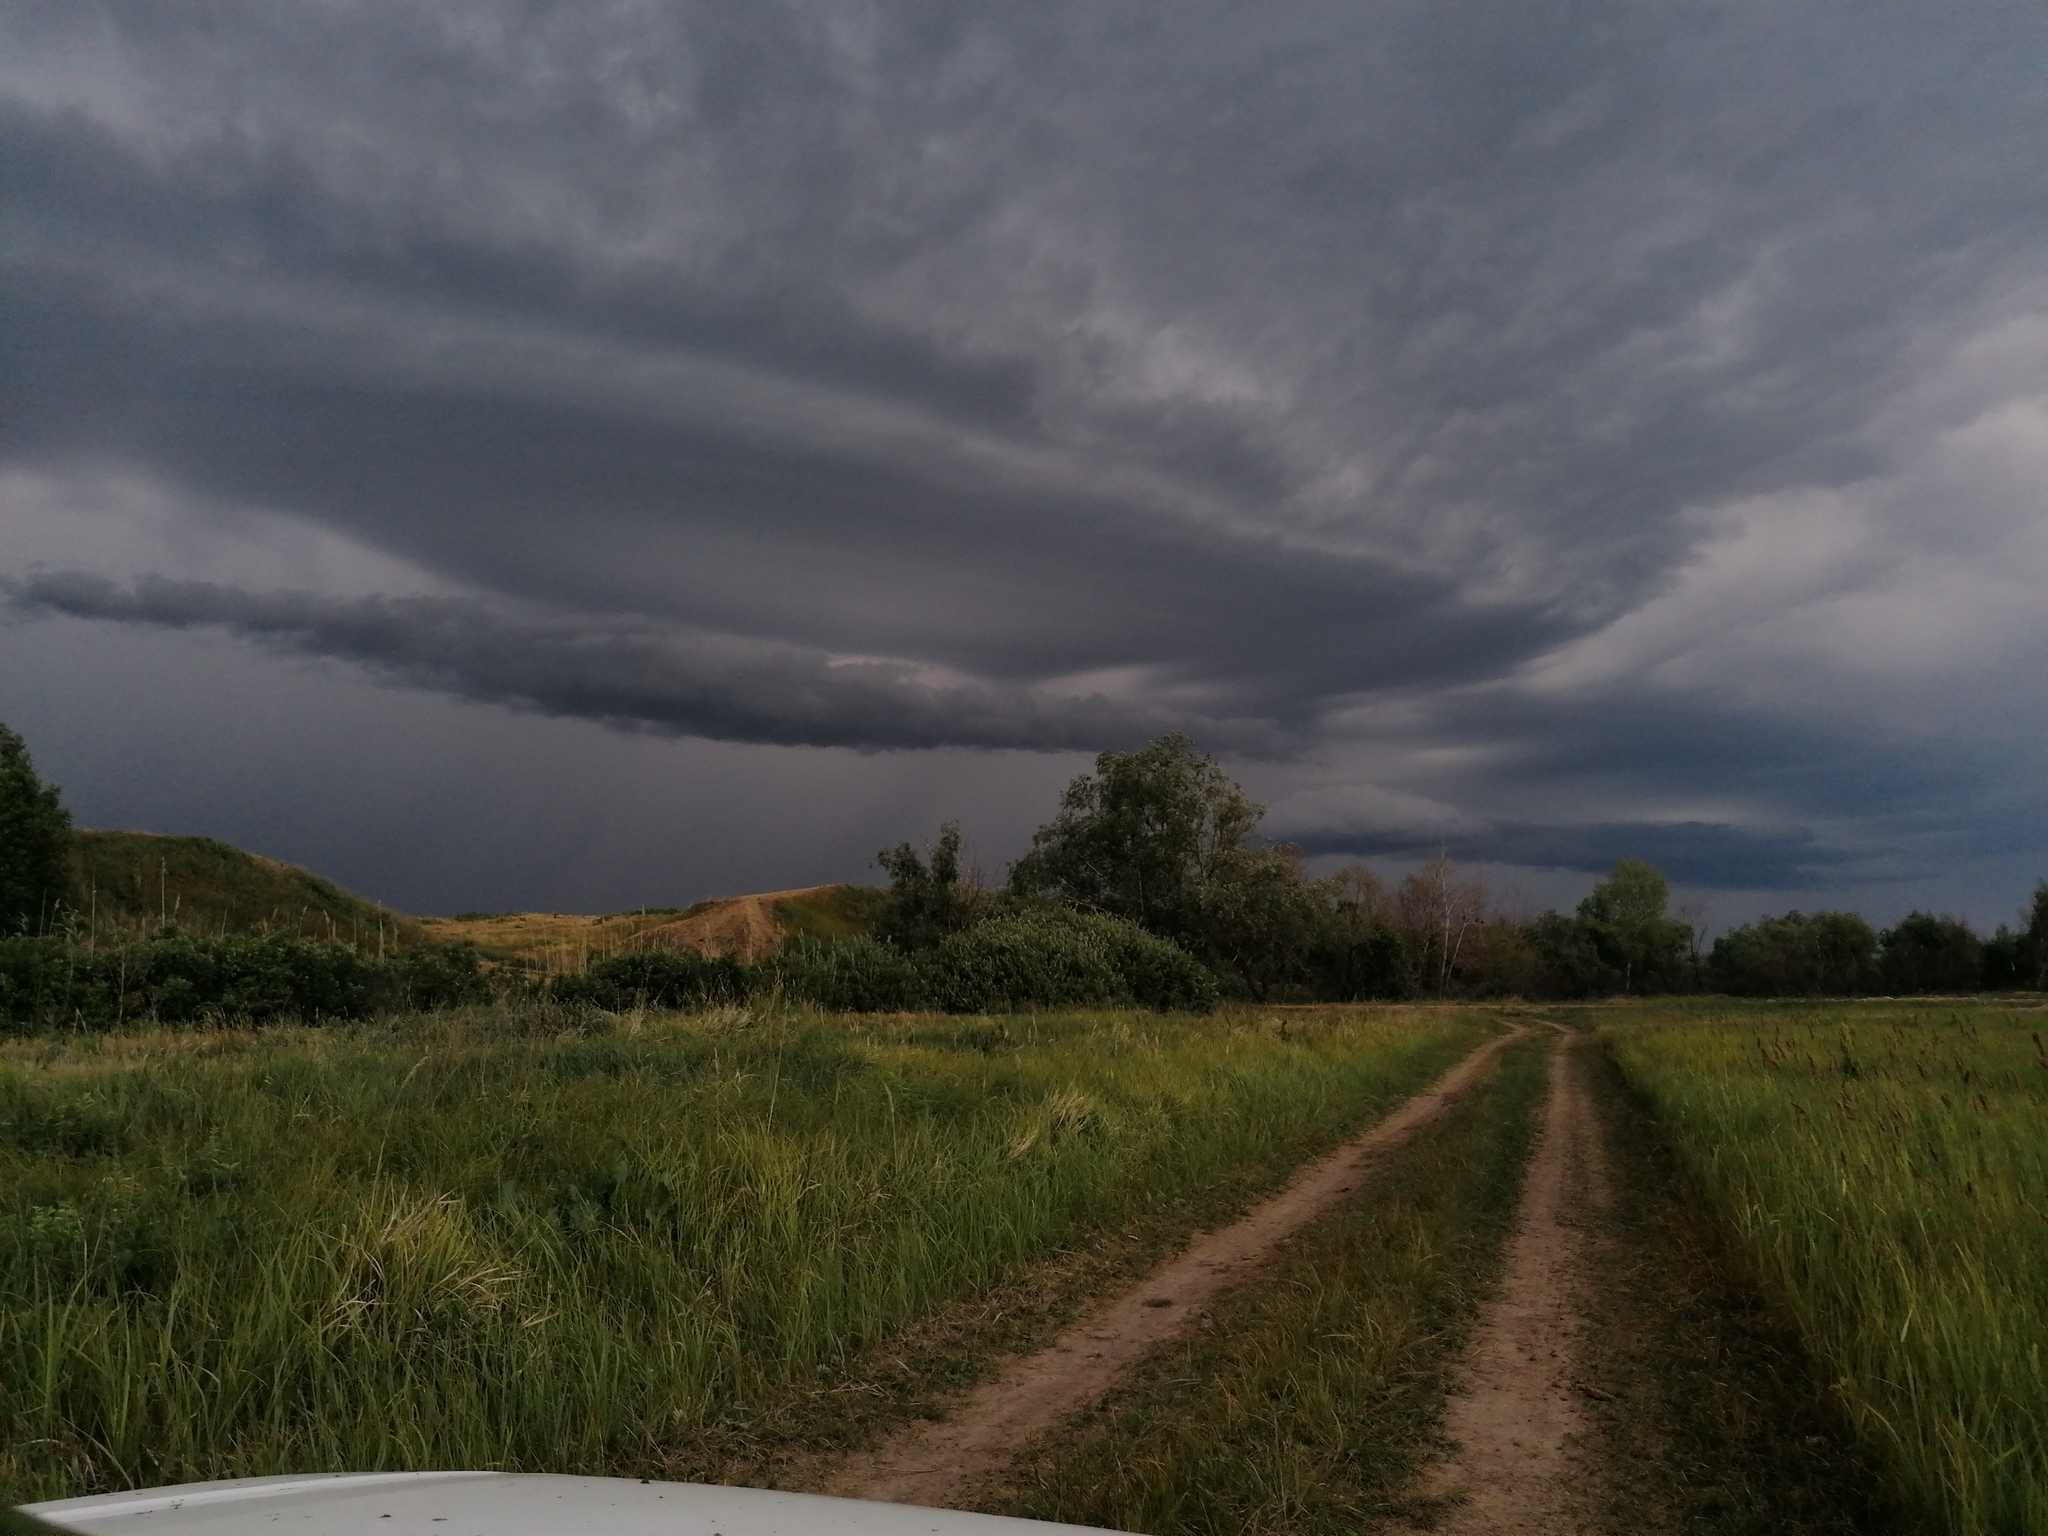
[[1818, 954], [1162, 837], [1572, 963], [2030, 944], [1256, 919], [35, 843], [927, 900], [1930, 953], [2020, 958], [1436, 912], [1625, 918], [1140, 836]]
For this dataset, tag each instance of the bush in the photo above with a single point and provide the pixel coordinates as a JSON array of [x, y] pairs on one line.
[[1157, 972], [427, 980], [846, 975], [1059, 959], [177, 978], [657, 978]]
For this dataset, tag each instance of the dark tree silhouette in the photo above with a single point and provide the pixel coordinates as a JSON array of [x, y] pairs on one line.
[[35, 843]]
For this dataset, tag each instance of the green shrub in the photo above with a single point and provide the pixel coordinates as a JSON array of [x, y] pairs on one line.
[[1059, 959], [846, 975], [1157, 972], [662, 978], [177, 978]]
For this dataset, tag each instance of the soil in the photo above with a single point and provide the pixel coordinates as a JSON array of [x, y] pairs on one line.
[[1517, 1416], [745, 926], [934, 1462]]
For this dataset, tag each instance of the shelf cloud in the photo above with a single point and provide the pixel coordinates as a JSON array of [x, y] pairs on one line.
[[634, 676], [1550, 432]]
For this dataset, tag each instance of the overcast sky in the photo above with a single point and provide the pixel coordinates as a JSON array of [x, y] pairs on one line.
[[585, 455]]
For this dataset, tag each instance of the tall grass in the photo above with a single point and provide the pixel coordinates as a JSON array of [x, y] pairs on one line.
[[1886, 1170], [482, 1240]]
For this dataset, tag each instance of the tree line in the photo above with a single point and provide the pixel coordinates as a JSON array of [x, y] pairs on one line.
[[1162, 838], [1149, 887]]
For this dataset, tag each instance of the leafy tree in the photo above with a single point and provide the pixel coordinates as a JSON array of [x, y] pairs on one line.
[[1930, 953], [35, 843], [2020, 959], [1626, 920], [1140, 836], [1256, 919], [2002, 967], [1437, 912], [1161, 837], [1818, 954], [1570, 953], [927, 899], [1498, 959], [1357, 952], [1620, 939]]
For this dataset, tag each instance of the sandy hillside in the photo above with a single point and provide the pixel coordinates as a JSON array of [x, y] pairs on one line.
[[746, 926]]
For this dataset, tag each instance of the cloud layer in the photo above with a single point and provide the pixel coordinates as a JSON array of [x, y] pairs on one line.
[[1557, 431], [634, 676]]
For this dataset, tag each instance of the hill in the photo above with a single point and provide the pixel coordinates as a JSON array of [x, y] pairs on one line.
[[132, 883], [747, 926]]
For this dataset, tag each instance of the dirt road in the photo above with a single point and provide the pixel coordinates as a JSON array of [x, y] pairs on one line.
[[1518, 1418], [934, 1462]]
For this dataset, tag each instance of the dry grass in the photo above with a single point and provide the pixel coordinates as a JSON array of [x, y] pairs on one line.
[[747, 926], [551, 942]]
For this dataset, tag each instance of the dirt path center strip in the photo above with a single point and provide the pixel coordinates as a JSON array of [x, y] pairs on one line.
[[1518, 1415], [932, 1462]]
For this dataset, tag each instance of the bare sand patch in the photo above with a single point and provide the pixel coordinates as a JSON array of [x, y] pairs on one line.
[[745, 926]]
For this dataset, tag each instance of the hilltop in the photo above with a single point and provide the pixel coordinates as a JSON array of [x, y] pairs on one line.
[[132, 883], [746, 926]]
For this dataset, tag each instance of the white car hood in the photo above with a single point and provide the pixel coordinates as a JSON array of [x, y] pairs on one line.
[[503, 1504]]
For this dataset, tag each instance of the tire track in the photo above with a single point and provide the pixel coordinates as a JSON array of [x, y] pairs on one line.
[[1518, 1419], [936, 1461]]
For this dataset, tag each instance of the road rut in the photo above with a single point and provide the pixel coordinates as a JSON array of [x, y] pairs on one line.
[[1518, 1417], [933, 1462]]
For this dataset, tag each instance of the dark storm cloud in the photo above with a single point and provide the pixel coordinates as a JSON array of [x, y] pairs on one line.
[[956, 559], [1254, 369], [635, 676], [1692, 852]]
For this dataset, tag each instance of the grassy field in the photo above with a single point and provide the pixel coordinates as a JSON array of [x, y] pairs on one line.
[[520, 1240], [1883, 1170], [1307, 1404]]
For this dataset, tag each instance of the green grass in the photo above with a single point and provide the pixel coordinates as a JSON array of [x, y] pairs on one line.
[[1708, 1416], [1883, 1170], [129, 884], [1309, 1402], [484, 1240], [833, 912]]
